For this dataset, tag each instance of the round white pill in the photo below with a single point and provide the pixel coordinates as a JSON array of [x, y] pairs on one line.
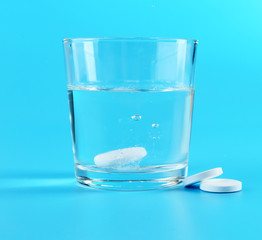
[[221, 185], [121, 157], [215, 172]]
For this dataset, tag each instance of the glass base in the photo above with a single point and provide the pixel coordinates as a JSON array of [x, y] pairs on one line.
[[147, 178]]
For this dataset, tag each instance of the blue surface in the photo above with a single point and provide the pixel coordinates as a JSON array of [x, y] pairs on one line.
[[39, 198]]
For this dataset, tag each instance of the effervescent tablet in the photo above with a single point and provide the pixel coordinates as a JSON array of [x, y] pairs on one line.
[[221, 185], [215, 172], [121, 157]]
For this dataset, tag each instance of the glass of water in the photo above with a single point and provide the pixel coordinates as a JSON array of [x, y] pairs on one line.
[[130, 103]]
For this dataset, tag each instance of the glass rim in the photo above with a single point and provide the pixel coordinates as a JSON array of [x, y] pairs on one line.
[[130, 38]]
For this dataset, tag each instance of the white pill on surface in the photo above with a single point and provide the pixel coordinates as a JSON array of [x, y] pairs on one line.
[[215, 172], [121, 157], [221, 185]]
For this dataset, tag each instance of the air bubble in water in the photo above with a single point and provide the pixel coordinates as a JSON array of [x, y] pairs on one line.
[[155, 125], [136, 117], [156, 137]]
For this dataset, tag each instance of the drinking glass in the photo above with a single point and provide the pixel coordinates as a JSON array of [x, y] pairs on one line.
[[131, 102]]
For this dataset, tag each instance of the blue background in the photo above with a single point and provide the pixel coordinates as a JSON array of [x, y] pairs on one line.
[[39, 198]]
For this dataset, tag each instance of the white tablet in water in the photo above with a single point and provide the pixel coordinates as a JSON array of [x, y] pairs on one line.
[[121, 157]]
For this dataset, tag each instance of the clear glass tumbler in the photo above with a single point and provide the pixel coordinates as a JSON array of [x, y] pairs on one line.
[[131, 103]]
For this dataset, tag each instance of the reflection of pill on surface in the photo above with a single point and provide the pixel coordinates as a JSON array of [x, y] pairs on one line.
[[120, 157]]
